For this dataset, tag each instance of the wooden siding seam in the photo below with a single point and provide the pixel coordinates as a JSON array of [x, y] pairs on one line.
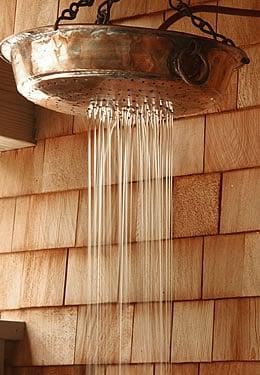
[[220, 201], [58, 9], [77, 218], [213, 331], [204, 142], [34, 250], [153, 302], [83, 367], [14, 15], [136, 16], [56, 191], [217, 113], [171, 339], [239, 109], [11, 249], [202, 268], [132, 337], [237, 89], [43, 193], [170, 239], [179, 301], [76, 334], [251, 231], [73, 125], [65, 278]]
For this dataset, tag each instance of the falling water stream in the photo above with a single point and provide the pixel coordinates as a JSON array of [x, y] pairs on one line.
[[130, 169]]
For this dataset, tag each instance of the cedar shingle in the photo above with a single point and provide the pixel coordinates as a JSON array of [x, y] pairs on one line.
[[65, 163], [45, 221], [248, 87], [239, 368], [185, 369], [7, 211], [92, 275], [237, 330], [21, 171], [231, 266], [177, 263], [99, 329], [196, 205], [34, 13], [192, 331], [240, 204], [152, 333], [232, 140]]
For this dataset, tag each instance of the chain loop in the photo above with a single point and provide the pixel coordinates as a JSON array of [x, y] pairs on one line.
[[72, 12], [103, 17], [104, 12], [199, 22]]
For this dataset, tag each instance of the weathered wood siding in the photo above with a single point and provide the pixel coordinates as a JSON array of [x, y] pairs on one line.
[[211, 309]]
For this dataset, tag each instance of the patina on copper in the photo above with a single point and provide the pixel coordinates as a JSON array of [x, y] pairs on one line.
[[67, 69]]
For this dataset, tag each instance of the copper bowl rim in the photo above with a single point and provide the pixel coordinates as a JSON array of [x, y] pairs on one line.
[[40, 32]]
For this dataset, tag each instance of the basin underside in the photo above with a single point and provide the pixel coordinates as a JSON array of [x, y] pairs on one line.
[[75, 95], [77, 68]]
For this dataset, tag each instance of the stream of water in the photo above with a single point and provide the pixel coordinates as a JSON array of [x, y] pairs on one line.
[[130, 169]]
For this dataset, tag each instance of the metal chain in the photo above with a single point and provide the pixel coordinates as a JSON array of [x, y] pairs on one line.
[[103, 16], [199, 22], [104, 12], [72, 12]]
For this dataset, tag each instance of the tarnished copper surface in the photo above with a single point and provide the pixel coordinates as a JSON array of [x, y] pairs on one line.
[[68, 69]]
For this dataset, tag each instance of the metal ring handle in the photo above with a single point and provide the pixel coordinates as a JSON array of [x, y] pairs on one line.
[[198, 77]]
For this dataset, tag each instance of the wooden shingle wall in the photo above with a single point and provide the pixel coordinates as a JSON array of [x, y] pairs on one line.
[[209, 319]]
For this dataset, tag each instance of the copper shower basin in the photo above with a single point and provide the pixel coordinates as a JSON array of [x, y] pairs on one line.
[[82, 66]]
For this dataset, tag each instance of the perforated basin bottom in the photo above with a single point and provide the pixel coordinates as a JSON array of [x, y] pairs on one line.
[[80, 95]]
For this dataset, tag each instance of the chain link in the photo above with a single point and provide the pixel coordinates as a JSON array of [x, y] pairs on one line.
[[199, 22], [103, 17], [104, 12], [72, 12]]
